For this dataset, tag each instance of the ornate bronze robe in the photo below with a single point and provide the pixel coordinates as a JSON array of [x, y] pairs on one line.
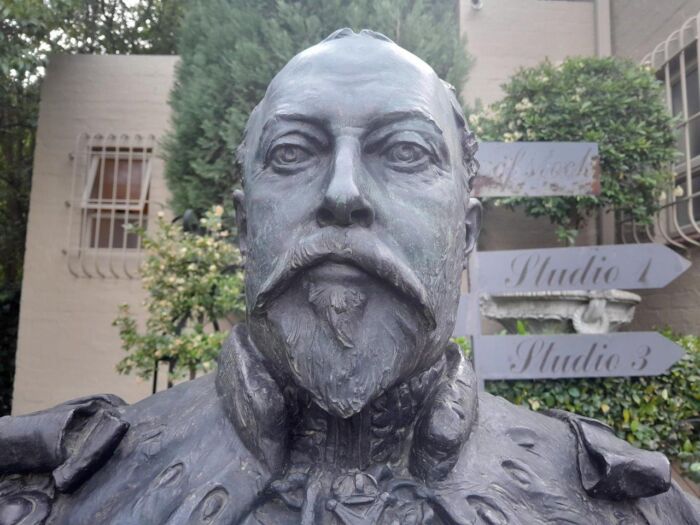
[[233, 448]]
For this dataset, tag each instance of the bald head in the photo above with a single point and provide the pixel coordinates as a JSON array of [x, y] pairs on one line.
[[377, 76]]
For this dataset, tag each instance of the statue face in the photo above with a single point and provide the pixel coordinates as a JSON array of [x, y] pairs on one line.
[[355, 219]]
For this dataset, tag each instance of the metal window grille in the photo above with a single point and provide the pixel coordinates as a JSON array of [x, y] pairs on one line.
[[675, 61], [109, 200]]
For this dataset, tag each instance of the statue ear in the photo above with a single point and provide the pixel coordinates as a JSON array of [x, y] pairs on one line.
[[241, 221], [473, 222]]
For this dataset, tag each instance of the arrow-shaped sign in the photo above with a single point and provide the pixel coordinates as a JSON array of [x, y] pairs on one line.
[[537, 169], [579, 355], [622, 266]]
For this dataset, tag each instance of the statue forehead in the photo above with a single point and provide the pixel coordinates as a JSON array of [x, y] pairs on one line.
[[350, 79]]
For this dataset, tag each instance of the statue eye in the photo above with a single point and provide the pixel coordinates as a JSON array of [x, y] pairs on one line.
[[288, 157], [406, 155]]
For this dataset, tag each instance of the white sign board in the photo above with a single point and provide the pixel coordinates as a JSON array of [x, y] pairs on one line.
[[573, 355], [537, 169], [622, 266]]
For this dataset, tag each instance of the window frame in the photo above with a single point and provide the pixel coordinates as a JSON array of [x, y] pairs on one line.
[[97, 156], [92, 217], [675, 48], [100, 208]]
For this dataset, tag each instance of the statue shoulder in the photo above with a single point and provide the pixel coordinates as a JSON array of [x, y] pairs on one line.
[[568, 468], [608, 467], [70, 440], [78, 455], [55, 450]]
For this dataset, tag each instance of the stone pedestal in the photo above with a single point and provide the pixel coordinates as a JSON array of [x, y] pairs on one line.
[[583, 312]]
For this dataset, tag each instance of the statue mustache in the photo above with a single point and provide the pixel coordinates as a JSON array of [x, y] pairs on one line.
[[356, 247]]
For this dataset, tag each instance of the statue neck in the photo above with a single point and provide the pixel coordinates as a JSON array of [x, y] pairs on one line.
[[418, 426], [379, 434]]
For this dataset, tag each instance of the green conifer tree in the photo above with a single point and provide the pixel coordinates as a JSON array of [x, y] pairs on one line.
[[231, 49]]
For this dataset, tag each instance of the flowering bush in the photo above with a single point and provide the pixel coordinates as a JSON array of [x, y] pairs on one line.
[[193, 280], [610, 101]]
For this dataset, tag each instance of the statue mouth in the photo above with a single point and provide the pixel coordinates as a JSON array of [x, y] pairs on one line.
[[338, 271], [336, 254]]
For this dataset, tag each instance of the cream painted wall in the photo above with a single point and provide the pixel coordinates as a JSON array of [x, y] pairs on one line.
[[508, 34], [67, 346], [658, 20]]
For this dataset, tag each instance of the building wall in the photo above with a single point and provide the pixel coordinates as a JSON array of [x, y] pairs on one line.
[[508, 34], [639, 25], [67, 346]]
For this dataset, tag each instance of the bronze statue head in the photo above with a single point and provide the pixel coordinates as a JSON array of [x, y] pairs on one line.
[[355, 219]]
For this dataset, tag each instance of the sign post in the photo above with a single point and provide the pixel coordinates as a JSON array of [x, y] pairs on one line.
[[547, 169], [581, 268]]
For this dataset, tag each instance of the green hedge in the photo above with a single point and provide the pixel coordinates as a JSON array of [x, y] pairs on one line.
[[656, 413]]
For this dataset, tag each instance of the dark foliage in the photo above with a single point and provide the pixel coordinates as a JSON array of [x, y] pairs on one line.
[[231, 49]]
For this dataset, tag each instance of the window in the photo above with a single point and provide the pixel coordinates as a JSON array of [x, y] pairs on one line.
[[110, 197], [115, 196], [676, 64]]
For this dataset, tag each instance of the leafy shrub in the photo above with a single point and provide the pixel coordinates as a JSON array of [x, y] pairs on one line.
[[656, 413], [610, 101], [193, 280]]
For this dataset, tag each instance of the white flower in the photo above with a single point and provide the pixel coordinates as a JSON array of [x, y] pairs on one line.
[[161, 214], [678, 191], [523, 105], [219, 211]]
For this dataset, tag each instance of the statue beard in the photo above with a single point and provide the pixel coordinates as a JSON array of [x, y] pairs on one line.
[[344, 343]]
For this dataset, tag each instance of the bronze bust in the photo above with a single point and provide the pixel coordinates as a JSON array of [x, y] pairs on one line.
[[340, 400]]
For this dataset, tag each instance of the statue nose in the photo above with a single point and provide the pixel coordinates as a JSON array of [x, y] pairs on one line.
[[343, 203]]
